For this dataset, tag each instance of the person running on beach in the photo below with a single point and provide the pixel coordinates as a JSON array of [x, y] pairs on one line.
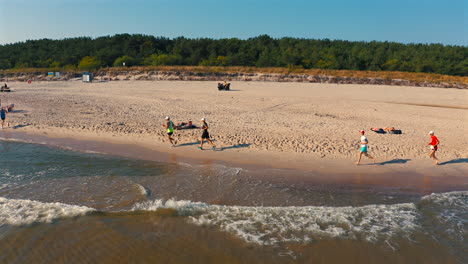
[[205, 135], [170, 130], [3, 112], [434, 143], [364, 147]]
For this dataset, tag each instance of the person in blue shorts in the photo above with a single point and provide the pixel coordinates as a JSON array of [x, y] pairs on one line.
[[364, 147]]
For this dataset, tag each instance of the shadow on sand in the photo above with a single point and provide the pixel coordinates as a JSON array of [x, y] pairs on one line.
[[188, 144], [235, 147], [454, 161], [194, 143], [393, 161], [18, 111], [20, 126]]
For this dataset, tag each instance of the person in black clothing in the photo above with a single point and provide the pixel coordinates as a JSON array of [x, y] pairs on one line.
[[205, 135]]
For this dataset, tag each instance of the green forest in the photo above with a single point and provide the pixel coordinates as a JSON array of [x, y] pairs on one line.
[[87, 53]]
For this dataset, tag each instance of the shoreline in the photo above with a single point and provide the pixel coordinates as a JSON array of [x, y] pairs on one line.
[[416, 178], [302, 127]]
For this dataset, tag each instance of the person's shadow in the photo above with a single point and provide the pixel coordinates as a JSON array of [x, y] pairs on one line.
[[393, 161], [20, 126], [235, 147], [454, 161], [188, 144], [193, 143]]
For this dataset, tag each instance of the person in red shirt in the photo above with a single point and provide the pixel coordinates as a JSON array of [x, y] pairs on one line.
[[434, 143]]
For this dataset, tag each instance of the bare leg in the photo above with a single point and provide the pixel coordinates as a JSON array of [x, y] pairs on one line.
[[201, 143], [369, 156], [359, 161], [170, 139], [211, 142], [432, 155]]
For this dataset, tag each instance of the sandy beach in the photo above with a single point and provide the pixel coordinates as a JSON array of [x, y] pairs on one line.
[[284, 125]]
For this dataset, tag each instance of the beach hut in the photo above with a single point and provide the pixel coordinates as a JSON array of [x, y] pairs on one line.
[[87, 77]]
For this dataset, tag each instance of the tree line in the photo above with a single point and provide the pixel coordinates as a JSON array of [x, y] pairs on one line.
[[263, 51]]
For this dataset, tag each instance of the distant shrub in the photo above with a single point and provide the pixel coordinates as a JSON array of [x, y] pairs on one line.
[[89, 63], [163, 60], [129, 61]]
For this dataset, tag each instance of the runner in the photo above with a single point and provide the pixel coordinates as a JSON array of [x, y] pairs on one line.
[[170, 130], [205, 135], [434, 143], [3, 112], [364, 147]]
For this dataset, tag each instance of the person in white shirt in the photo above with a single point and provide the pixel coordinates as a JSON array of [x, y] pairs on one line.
[[364, 147]]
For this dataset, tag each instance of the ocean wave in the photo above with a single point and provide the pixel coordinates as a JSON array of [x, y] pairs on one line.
[[448, 210], [24, 212], [270, 225], [143, 190]]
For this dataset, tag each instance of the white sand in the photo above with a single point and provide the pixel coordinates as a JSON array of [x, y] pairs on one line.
[[269, 123]]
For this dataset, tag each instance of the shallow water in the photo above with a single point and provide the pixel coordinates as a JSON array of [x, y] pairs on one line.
[[61, 206]]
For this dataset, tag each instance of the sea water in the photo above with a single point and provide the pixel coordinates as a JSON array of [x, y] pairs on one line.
[[63, 206]]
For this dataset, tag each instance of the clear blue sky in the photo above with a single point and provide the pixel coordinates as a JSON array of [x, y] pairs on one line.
[[419, 21]]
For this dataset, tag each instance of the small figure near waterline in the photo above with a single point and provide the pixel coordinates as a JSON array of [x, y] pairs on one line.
[[434, 143], [3, 113], [170, 130], [205, 135], [364, 148]]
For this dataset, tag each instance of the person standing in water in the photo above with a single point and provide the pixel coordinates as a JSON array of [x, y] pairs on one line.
[[364, 148], [434, 143], [3, 112], [205, 135], [170, 130]]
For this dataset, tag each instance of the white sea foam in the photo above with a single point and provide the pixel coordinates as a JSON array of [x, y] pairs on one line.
[[24, 212], [220, 168], [451, 210], [143, 190], [270, 225], [13, 140]]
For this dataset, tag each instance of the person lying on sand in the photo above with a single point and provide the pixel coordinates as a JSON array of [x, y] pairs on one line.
[[364, 147], [9, 108], [184, 125], [380, 130]]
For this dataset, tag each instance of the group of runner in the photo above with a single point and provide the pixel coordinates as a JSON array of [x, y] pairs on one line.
[[169, 125], [365, 145]]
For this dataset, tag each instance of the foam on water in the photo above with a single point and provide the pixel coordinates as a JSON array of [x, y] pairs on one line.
[[24, 212], [270, 225], [450, 210], [143, 190]]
